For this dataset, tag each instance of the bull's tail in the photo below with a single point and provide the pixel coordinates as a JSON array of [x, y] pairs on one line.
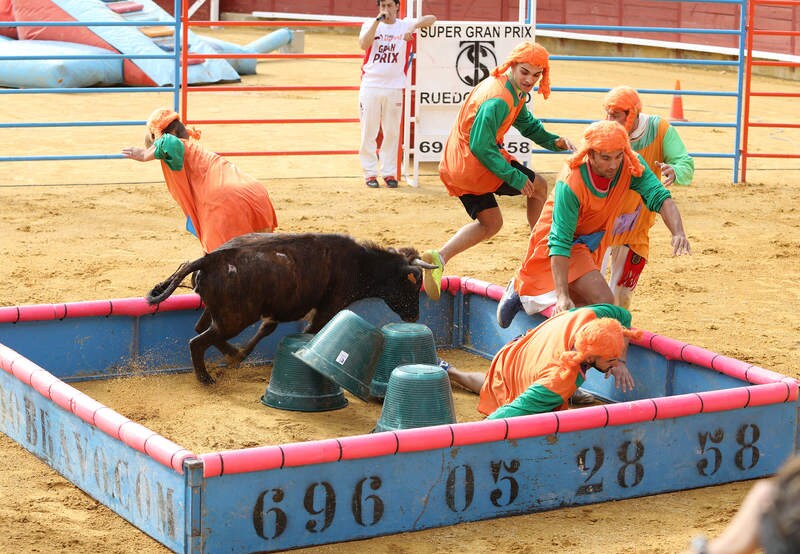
[[164, 289]]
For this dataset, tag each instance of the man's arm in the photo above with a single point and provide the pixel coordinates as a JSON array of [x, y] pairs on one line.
[[566, 208], [623, 379], [680, 164], [533, 129], [367, 34], [424, 21], [672, 219], [559, 267], [140, 154], [483, 145]]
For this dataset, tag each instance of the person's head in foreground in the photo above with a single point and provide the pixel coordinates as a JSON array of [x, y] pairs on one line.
[[600, 343], [529, 63], [166, 121], [606, 147]]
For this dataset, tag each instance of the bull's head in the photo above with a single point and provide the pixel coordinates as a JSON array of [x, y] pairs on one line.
[[401, 290]]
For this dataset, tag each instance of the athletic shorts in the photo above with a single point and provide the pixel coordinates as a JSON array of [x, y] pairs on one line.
[[476, 203]]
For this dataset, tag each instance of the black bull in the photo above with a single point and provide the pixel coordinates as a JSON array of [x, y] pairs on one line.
[[283, 277]]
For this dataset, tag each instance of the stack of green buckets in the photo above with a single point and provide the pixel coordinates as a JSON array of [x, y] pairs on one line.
[[397, 363]]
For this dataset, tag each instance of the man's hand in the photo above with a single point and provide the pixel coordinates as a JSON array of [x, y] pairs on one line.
[[667, 173], [565, 144], [623, 379], [528, 190], [680, 245], [563, 304], [134, 153]]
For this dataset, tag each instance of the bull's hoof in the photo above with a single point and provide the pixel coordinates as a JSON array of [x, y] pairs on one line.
[[205, 378]]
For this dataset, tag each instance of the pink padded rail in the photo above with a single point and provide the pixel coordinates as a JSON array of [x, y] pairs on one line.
[[673, 349], [390, 443], [769, 388], [94, 308], [93, 412]]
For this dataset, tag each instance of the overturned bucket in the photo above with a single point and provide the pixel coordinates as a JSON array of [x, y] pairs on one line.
[[293, 385], [403, 344], [418, 395], [345, 351]]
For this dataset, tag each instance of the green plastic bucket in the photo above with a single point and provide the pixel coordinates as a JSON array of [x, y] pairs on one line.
[[345, 351], [418, 395], [295, 386], [403, 344]]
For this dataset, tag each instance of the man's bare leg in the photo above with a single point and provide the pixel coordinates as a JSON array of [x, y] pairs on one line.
[[468, 380], [591, 289], [487, 224]]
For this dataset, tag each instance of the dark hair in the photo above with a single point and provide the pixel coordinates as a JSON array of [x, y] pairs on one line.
[[176, 128], [378, 2], [780, 523]]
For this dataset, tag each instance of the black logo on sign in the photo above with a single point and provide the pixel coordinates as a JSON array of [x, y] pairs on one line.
[[474, 61]]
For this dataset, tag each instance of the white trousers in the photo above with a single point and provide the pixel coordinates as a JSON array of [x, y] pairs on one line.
[[380, 108]]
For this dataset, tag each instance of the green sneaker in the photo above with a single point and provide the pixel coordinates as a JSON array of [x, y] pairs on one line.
[[432, 278]]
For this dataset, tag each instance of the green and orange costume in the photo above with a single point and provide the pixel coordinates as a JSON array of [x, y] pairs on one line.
[[529, 375], [656, 141], [473, 162], [220, 201], [580, 221]]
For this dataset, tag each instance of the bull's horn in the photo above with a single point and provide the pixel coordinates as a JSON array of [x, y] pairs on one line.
[[424, 265]]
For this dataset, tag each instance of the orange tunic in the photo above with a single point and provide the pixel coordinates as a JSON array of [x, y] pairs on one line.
[[534, 359], [460, 170], [638, 238], [222, 201], [596, 213]]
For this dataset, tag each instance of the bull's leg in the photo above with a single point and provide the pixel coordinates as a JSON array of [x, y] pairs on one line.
[[203, 323], [267, 326], [322, 315], [228, 350], [198, 346]]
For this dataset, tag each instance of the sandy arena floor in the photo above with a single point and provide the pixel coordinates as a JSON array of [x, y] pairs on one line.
[[89, 230]]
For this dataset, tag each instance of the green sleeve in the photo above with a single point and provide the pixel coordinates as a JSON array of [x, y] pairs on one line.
[[675, 154], [482, 142], [650, 188], [537, 399], [565, 220], [170, 149], [609, 310], [531, 128]]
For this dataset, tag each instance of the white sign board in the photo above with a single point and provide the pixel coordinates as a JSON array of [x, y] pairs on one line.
[[453, 57]]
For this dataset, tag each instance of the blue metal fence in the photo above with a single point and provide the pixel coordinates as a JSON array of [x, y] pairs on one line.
[[175, 88], [738, 63]]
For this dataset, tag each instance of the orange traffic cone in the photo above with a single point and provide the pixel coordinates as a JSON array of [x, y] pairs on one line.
[[676, 113]]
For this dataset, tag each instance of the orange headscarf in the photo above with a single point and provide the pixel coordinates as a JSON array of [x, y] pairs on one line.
[[160, 120], [603, 337], [532, 53], [625, 99], [606, 136]]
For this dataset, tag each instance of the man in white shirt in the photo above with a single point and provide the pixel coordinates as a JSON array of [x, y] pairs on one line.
[[385, 41]]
